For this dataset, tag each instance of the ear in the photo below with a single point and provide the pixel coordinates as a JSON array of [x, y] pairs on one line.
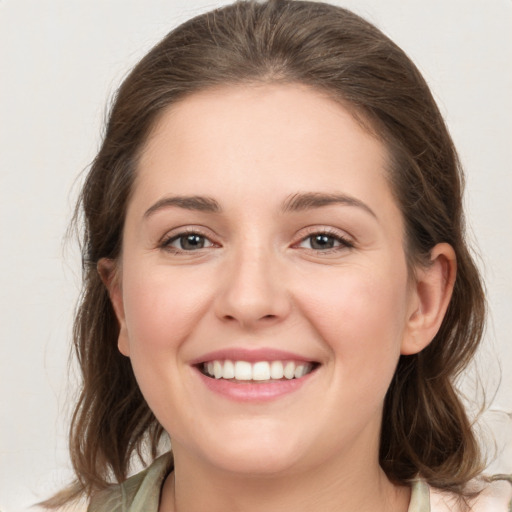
[[109, 272], [431, 294]]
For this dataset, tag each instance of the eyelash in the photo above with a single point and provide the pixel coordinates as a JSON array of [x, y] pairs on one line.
[[343, 242], [166, 242]]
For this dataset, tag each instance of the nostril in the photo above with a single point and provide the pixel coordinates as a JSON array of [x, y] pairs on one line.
[[265, 319]]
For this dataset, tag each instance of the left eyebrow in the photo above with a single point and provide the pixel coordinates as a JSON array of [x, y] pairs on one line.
[[198, 203], [308, 200]]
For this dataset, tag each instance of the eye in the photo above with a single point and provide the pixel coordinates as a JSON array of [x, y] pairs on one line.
[[187, 242], [324, 242]]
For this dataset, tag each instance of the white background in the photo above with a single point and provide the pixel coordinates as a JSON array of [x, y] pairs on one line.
[[60, 60]]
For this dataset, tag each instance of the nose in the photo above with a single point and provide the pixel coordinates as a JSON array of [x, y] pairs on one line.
[[253, 293]]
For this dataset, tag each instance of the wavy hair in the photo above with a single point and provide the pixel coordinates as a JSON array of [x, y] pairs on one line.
[[425, 429]]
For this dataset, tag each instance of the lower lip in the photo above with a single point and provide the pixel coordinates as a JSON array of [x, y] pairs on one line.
[[251, 391]]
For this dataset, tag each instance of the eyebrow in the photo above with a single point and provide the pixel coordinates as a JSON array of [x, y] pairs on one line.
[[309, 200], [197, 203], [295, 203]]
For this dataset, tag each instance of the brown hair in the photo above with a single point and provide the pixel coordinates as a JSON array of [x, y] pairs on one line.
[[425, 427]]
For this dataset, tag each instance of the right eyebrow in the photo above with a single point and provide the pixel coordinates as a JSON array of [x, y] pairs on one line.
[[197, 203], [309, 200]]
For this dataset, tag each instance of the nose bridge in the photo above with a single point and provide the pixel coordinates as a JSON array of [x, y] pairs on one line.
[[251, 291]]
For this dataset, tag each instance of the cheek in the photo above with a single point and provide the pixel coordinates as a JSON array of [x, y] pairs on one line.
[[361, 317], [356, 300], [162, 306]]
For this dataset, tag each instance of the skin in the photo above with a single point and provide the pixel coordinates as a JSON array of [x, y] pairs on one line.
[[260, 282]]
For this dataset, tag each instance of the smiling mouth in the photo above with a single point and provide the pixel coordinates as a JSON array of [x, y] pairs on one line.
[[259, 371]]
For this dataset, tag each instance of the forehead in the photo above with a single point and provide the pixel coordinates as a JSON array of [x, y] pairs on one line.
[[260, 141]]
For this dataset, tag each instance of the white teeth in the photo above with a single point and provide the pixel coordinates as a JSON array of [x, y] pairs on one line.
[[261, 371], [243, 370], [300, 371], [217, 369], [276, 370], [229, 370], [258, 371], [289, 370]]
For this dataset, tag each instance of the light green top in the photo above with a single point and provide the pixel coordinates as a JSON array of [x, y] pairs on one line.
[[141, 492]]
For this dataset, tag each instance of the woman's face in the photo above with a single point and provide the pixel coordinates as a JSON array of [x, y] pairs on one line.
[[262, 241]]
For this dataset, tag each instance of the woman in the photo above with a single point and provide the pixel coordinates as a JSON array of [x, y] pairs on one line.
[[275, 275]]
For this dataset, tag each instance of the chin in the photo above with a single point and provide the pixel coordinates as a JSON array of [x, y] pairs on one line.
[[257, 462], [261, 452]]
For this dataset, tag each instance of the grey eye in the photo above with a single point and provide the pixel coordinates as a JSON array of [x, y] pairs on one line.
[[322, 241], [189, 242]]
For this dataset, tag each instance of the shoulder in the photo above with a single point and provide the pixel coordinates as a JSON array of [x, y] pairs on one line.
[[141, 492], [495, 496]]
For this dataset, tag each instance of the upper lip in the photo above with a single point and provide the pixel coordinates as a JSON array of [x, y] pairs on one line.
[[250, 355]]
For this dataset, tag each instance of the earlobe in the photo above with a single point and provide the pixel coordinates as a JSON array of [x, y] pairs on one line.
[[109, 272], [432, 292]]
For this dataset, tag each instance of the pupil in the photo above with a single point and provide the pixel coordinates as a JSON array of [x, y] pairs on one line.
[[190, 242], [322, 242]]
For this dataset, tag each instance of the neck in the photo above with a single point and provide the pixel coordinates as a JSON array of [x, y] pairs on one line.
[[333, 486]]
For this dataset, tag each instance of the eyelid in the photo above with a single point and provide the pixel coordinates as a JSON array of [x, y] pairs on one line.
[[346, 241], [176, 233]]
